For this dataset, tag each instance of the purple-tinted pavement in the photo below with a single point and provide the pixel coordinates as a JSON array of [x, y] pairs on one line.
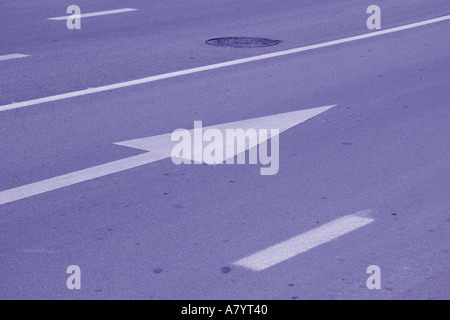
[[162, 231]]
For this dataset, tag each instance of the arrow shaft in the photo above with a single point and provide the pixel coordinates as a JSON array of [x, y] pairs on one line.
[[286, 250], [76, 177]]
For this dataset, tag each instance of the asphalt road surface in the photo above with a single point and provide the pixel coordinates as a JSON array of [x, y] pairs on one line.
[[156, 230]]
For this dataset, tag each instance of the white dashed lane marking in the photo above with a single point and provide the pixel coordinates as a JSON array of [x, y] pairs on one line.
[[289, 249], [95, 14]]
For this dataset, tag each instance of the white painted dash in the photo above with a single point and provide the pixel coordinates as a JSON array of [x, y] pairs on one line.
[[288, 249]]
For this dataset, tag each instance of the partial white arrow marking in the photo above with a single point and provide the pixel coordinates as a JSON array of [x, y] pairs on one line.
[[282, 122], [288, 249], [66, 180], [169, 75], [95, 14], [13, 56], [158, 147]]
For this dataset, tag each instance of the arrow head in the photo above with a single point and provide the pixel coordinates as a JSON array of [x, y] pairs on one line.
[[162, 145]]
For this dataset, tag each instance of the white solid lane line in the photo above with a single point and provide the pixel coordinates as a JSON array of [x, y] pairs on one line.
[[95, 14], [13, 56], [306, 241], [214, 66]]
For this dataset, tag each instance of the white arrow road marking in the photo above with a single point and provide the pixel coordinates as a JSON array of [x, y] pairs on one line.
[[282, 122], [158, 147], [215, 66], [95, 14], [13, 56], [288, 249]]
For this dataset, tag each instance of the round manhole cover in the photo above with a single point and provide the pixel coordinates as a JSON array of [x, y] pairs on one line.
[[242, 42]]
